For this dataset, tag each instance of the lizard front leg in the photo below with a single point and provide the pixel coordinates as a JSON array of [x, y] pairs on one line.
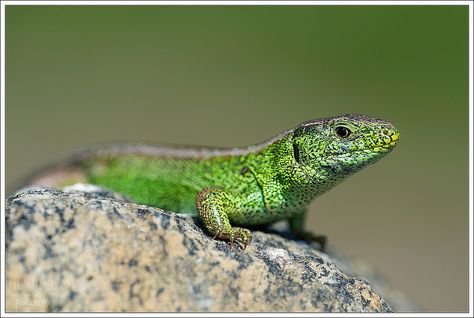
[[297, 228], [213, 204]]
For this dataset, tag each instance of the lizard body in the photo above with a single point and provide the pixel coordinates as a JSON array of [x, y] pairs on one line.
[[254, 185]]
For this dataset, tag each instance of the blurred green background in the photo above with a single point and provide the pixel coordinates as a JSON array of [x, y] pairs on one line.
[[229, 76]]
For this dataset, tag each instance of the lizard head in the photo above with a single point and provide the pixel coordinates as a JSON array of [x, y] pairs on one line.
[[342, 145]]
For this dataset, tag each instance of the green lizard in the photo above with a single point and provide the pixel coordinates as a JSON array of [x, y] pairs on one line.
[[259, 184]]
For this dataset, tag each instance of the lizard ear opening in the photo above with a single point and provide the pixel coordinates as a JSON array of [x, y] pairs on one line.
[[296, 152]]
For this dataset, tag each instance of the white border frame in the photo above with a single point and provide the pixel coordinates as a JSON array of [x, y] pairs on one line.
[[232, 3]]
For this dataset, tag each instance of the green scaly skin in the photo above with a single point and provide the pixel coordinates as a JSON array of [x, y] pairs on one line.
[[259, 184]]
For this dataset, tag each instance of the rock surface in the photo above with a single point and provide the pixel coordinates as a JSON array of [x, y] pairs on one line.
[[73, 251]]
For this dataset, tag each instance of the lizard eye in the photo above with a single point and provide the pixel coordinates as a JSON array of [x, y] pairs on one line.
[[342, 131]]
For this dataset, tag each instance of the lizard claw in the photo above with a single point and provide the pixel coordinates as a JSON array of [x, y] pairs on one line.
[[243, 237]]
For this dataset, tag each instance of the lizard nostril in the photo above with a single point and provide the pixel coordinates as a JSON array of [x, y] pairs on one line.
[[385, 132]]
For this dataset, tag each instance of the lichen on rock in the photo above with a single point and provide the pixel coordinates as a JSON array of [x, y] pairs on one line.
[[73, 251]]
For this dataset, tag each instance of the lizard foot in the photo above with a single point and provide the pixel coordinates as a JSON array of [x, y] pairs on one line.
[[242, 237], [310, 237], [212, 205]]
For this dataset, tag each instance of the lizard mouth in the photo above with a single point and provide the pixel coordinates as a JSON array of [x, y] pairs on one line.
[[381, 149], [391, 144]]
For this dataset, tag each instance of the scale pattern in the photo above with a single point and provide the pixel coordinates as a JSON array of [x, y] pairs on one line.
[[259, 184]]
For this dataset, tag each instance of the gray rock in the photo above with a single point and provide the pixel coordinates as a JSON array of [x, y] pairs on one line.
[[74, 251], [399, 302]]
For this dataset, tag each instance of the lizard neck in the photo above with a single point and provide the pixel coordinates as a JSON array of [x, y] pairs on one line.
[[286, 183]]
